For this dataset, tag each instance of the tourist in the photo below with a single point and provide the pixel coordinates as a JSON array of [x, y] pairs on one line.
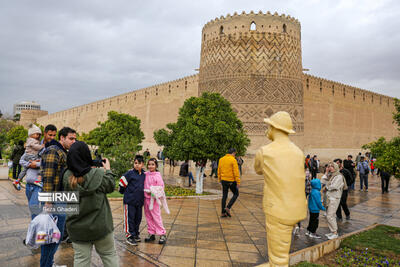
[[314, 165], [184, 172], [349, 165], [131, 184], [363, 171], [307, 162], [17, 152], [32, 149], [343, 200], [200, 167], [372, 166], [307, 191], [240, 162], [214, 168], [385, 177], [358, 158], [314, 206], [334, 186], [54, 160], [228, 175], [93, 225], [32, 189], [153, 216]]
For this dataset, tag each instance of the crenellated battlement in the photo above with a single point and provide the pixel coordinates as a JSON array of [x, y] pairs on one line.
[[250, 23], [268, 14]]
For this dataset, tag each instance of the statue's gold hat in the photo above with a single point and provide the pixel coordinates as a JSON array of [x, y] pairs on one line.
[[282, 121]]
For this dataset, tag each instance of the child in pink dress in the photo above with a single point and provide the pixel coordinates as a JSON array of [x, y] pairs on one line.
[[153, 216]]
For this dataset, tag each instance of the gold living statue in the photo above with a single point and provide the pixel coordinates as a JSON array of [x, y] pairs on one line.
[[284, 202]]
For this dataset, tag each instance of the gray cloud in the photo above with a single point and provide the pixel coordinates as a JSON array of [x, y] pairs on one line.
[[67, 53]]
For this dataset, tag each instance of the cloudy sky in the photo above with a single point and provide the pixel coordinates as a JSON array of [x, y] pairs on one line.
[[67, 53]]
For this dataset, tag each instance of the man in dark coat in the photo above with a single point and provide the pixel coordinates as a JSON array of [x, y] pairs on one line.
[[16, 155]]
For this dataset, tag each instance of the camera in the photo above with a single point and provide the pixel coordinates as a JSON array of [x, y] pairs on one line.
[[98, 161]]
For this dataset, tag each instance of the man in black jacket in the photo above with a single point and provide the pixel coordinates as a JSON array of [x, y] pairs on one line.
[[343, 200], [16, 155], [349, 165], [385, 177]]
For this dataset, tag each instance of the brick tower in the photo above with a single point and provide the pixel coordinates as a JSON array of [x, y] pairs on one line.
[[254, 61]]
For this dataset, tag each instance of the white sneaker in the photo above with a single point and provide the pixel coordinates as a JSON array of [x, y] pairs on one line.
[[328, 234], [333, 236], [308, 233]]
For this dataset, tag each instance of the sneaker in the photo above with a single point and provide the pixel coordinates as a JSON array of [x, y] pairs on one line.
[[38, 183], [137, 239], [307, 233], [56, 265], [339, 219], [348, 218], [328, 235], [315, 236], [131, 240], [223, 215], [150, 238], [162, 240], [333, 236], [366, 190], [17, 185]]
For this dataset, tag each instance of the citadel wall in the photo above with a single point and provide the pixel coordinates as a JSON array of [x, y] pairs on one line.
[[155, 106], [340, 118]]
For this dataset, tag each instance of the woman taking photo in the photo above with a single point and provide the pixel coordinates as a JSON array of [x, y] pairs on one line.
[[94, 224]]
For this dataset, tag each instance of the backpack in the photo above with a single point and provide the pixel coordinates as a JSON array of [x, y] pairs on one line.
[[366, 170]]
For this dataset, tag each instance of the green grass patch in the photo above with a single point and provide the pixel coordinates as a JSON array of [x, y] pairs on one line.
[[170, 191], [382, 239]]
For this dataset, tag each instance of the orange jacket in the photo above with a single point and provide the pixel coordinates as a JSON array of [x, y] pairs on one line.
[[228, 169]]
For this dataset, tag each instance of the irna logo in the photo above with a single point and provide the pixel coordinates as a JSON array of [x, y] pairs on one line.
[[59, 197]]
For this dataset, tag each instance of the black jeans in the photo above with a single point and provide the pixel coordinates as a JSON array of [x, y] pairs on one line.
[[16, 170], [343, 205], [364, 180], [313, 222], [385, 184], [225, 188], [215, 172]]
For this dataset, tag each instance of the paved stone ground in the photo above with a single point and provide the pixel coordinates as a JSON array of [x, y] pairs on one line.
[[197, 236]]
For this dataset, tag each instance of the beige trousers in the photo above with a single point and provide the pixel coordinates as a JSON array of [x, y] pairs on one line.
[[333, 204], [279, 237]]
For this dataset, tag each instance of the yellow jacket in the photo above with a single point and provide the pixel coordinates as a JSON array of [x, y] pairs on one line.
[[228, 169]]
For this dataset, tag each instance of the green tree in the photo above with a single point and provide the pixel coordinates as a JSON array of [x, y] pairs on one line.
[[396, 114], [387, 153], [16, 134], [118, 139], [206, 128]]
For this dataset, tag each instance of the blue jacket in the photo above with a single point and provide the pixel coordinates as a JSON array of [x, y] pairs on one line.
[[314, 200], [133, 192]]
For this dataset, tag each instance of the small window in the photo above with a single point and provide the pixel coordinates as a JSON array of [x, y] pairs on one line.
[[284, 28], [344, 92], [320, 87], [221, 30], [253, 26], [204, 37], [333, 90]]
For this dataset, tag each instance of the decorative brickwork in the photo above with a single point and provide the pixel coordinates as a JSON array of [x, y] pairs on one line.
[[259, 71]]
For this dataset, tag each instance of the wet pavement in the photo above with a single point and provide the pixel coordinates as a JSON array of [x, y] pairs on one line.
[[197, 236]]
